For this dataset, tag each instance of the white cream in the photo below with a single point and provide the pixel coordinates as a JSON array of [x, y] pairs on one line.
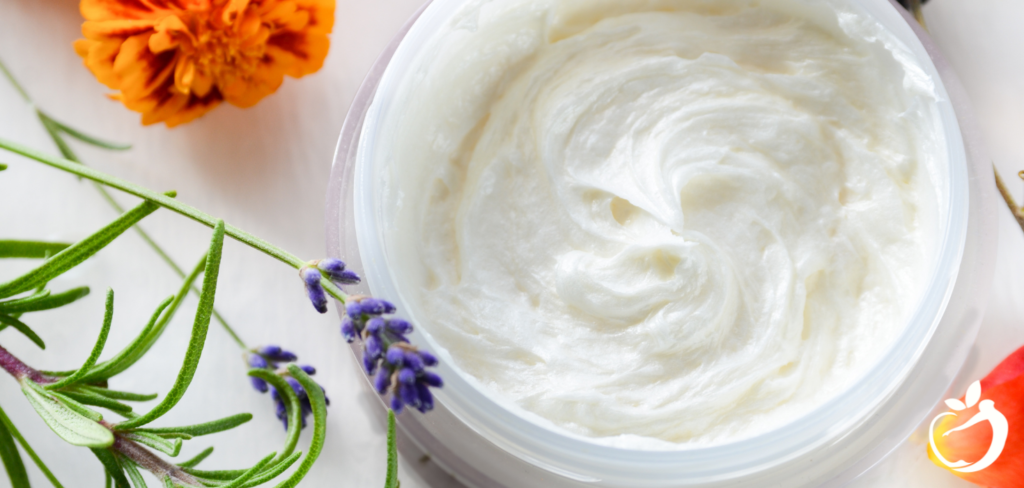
[[656, 222]]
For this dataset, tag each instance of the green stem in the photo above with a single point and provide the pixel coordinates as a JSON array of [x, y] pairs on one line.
[[17, 86], [170, 204], [155, 197], [71, 156]]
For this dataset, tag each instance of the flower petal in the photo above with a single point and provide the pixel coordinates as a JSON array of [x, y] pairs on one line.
[[139, 70], [100, 60], [116, 28], [118, 9], [301, 52]]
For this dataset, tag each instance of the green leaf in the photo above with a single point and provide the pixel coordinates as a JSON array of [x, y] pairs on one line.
[[28, 449], [199, 329], [198, 459], [213, 427], [118, 395], [3, 167], [133, 472], [77, 406], [66, 422], [43, 301], [249, 474], [86, 398], [274, 472], [101, 341], [219, 475], [292, 404], [30, 249], [24, 329], [12, 459], [176, 435], [316, 400], [78, 252], [170, 448], [58, 139], [207, 428], [115, 146], [140, 346], [168, 483], [112, 466], [391, 481]]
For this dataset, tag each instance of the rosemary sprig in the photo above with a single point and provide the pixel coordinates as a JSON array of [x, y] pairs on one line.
[[67, 401]]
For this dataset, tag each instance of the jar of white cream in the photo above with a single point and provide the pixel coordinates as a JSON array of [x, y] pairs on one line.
[[666, 243]]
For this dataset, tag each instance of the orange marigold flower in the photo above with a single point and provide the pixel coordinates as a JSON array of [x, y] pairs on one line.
[[981, 437], [174, 60]]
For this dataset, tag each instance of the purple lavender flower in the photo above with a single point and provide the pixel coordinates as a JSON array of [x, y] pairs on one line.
[[257, 361], [270, 357], [399, 367], [275, 355], [336, 272], [311, 277], [411, 377]]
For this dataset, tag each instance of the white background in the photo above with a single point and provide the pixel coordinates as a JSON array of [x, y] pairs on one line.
[[265, 169]]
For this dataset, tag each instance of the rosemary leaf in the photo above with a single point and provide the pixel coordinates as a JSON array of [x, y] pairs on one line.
[[118, 395], [75, 405], [132, 469], [138, 347], [197, 459], [101, 341], [274, 472], [199, 329], [12, 459], [112, 467], [94, 141], [292, 405], [168, 447], [28, 449], [30, 249], [20, 326], [221, 474], [66, 422], [316, 400], [207, 428], [253, 471], [43, 301], [76, 253], [86, 398]]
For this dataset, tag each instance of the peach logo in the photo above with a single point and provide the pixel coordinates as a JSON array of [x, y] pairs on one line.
[[986, 413]]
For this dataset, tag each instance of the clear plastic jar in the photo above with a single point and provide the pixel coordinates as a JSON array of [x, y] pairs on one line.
[[484, 443]]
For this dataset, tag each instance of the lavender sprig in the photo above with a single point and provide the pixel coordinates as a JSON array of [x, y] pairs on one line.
[[400, 367]]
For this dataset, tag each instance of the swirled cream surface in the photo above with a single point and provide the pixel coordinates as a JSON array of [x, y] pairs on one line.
[[661, 223]]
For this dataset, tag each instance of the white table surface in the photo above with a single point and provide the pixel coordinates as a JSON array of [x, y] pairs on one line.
[[265, 169]]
